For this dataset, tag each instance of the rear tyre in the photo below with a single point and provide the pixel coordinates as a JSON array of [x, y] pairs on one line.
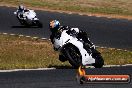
[[74, 56]]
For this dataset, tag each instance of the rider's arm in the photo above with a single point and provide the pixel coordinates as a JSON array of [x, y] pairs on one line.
[[16, 12], [51, 38]]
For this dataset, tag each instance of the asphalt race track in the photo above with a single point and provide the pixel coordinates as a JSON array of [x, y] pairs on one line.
[[105, 32], [114, 33], [59, 78]]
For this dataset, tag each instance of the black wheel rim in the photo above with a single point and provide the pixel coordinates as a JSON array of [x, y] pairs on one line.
[[75, 55]]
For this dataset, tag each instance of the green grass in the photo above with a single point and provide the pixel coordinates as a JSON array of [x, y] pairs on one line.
[[118, 7], [115, 56], [21, 52]]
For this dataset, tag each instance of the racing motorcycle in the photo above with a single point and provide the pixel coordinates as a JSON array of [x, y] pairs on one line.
[[76, 51], [28, 18]]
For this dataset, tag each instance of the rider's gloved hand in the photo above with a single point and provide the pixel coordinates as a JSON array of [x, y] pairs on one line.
[[15, 13], [93, 46]]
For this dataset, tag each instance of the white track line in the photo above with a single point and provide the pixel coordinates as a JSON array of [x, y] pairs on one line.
[[44, 69], [28, 36], [12, 34], [35, 37], [5, 33], [111, 66], [20, 35], [49, 39], [38, 69], [43, 38]]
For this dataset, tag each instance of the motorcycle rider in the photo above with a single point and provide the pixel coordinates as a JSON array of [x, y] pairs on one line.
[[21, 10], [87, 53], [56, 30]]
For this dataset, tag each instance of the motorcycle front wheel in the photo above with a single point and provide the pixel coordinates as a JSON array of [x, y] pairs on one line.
[[38, 23], [74, 56], [99, 62]]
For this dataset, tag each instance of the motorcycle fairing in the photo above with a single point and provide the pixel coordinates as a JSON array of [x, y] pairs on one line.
[[65, 39]]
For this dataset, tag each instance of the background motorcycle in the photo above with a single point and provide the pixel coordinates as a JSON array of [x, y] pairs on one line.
[[28, 18], [76, 51]]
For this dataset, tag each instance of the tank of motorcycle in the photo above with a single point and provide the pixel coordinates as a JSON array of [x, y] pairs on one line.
[[62, 40], [30, 14]]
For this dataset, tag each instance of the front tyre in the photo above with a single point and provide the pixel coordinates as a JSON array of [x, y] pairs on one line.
[[38, 24], [99, 62], [74, 56], [21, 21], [62, 58]]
